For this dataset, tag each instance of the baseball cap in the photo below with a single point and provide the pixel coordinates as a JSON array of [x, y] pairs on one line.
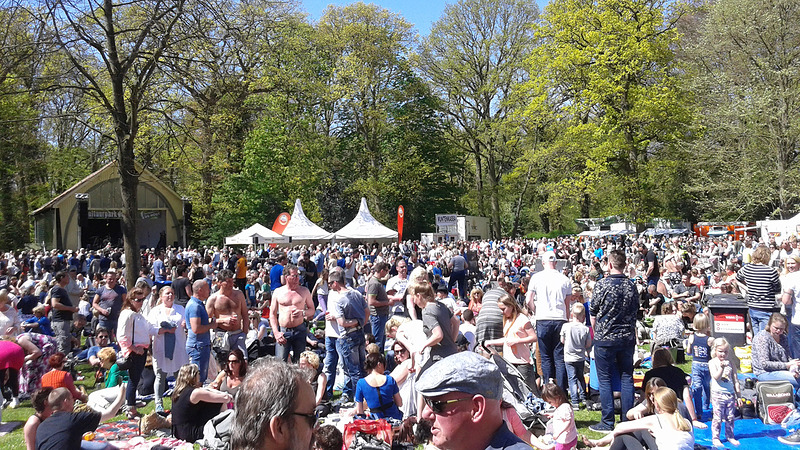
[[463, 372], [72, 269], [548, 256]]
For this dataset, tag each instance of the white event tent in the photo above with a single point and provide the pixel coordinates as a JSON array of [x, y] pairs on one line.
[[302, 230], [256, 234], [364, 227]]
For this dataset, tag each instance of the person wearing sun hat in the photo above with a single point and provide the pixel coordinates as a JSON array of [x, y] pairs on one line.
[[462, 395]]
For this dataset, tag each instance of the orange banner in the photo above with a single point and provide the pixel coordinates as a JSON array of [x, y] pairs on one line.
[[400, 214], [281, 222]]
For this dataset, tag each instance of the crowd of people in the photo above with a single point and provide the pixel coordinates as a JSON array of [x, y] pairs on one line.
[[398, 331]]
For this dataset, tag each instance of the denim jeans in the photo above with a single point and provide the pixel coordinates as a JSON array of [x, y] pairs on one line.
[[199, 354], [609, 358], [551, 349], [331, 361], [577, 381], [459, 278], [781, 375], [379, 329], [759, 319], [701, 383], [794, 340], [353, 351], [295, 342], [134, 375]]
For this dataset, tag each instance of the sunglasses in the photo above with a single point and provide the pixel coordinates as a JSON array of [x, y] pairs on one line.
[[437, 406], [231, 361], [137, 300], [311, 418]]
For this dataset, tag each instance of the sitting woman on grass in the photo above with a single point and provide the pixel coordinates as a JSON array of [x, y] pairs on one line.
[[665, 429], [193, 405], [675, 378], [378, 391]]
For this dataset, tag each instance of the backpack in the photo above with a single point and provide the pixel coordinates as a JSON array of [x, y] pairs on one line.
[[217, 431], [775, 401]]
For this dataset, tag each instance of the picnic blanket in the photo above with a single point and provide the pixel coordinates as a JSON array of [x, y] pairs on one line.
[[121, 430], [140, 443], [8, 427], [751, 433]]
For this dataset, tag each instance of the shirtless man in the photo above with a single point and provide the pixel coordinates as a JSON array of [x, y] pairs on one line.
[[291, 306], [228, 303]]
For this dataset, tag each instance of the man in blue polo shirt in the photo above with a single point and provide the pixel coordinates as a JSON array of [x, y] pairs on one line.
[[198, 341]]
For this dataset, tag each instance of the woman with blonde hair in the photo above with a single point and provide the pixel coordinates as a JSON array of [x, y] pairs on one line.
[[193, 405], [309, 361], [518, 335], [763, 283], [169, 348], [418, 275], [475, 301], [667, 429], [9, 317]]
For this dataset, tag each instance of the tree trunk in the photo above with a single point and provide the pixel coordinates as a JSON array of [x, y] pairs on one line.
[[129, 183], [585, 204], [493, 195], [479, 180], [545, 219], [6, 213], [520, 198]]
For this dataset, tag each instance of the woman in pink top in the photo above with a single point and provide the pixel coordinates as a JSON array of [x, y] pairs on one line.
[[518, 335]]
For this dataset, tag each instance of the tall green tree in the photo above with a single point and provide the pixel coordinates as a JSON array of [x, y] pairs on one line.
[[368, 48], [745, 67], [21, 54], [118, 48], [473, 57], [606, 69], [238, 51]]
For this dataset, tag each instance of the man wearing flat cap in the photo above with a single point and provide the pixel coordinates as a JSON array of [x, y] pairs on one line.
[[462, 395]]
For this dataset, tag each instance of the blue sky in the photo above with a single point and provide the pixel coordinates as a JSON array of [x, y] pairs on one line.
[[421, 13]]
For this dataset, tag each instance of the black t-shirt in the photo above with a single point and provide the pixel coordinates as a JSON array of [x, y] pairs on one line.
[[64, 430], [179, 286], [673, 376], [188, 419], [63, 297], [651, 258]]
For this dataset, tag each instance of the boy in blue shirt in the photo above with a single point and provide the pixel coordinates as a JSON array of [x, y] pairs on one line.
[[39, 322]]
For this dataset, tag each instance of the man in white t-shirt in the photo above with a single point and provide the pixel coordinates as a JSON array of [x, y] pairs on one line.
[[547, 294], [396, 286], [332, 333]]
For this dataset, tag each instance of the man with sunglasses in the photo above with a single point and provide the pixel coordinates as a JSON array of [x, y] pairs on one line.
[[274, 409], [462, 395]]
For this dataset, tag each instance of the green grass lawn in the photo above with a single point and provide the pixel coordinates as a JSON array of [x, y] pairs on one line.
[[15, 440]]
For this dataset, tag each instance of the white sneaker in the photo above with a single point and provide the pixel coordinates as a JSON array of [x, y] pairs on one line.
[[14, 403]]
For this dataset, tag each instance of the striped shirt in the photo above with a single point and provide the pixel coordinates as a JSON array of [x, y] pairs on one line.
[[762, 283]]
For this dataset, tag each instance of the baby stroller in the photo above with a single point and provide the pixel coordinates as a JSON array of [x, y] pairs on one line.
[[525, 399]]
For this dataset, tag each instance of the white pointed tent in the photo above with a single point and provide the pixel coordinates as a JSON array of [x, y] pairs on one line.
[[301, 229], [364, 227], [256, 234]]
